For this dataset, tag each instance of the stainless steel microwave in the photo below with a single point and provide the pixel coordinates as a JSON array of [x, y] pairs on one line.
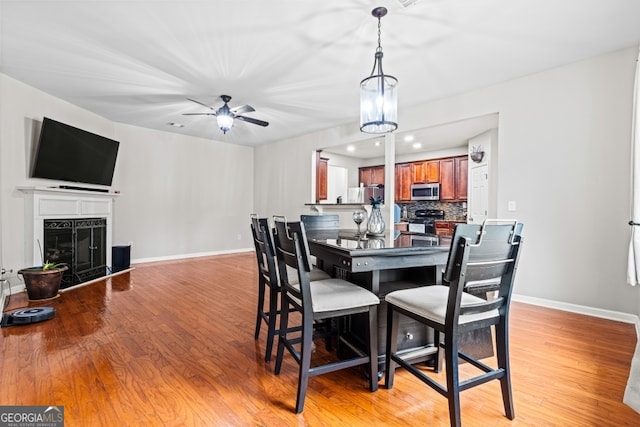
[[425, 191]]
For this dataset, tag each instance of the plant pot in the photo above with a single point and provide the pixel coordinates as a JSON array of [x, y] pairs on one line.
[[42, 284]]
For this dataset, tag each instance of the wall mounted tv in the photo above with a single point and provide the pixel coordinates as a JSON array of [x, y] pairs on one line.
[[66, 153]]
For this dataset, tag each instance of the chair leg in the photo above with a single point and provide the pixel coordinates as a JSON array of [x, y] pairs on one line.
[[453, 379], [261, 290], [393, 318], [282, 335], [502, 354], [305, 362], [271, 324], [437, 367], [373, 347]]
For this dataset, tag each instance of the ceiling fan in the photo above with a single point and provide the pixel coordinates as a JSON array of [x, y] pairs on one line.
[[225, 115]]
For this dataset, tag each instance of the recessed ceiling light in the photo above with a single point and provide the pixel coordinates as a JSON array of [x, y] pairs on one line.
[[408, 138], [417, 145], [351, 148], [175, 125]]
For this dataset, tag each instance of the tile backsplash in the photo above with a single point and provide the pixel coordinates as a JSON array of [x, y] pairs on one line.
[[453, 211]]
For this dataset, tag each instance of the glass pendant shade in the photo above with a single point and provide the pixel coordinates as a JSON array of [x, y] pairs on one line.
[[379, 101], [378, 93], [225, 122]]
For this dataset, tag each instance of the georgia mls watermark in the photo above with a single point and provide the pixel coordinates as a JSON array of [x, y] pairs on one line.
[[31, 416]]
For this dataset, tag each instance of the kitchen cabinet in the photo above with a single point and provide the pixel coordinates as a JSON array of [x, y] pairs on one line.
[[401, 226], [404, 178], [442, 228], [426, 171], [462, 177], [445, 228], [453, 178], [371, 175], [322, 169]]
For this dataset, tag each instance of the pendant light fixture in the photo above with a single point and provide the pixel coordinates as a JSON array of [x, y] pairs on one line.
[[378, 93]]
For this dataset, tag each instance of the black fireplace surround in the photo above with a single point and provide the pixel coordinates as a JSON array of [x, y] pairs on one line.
[[79, 243]]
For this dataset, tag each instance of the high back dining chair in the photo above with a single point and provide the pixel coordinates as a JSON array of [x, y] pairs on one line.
[[481, 256], [318, 300], [268, 278]]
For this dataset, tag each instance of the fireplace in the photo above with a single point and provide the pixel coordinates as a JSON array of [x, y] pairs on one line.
[[69, 226], [79, 243]]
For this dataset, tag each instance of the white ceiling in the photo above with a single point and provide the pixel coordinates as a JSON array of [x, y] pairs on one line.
[[297, 62]]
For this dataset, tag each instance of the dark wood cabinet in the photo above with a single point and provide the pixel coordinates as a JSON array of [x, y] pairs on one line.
[[462, 177], [446, 228], [442, 228], [433, 171], [404, 178], [425, 171], [419, 172], [447, 180], [371, 175], [322, 169], [453, 178]]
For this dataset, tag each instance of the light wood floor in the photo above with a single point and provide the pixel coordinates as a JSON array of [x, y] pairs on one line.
[[171, 344]]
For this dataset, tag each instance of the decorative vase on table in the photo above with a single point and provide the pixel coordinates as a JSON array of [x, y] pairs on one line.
[[375, 224]]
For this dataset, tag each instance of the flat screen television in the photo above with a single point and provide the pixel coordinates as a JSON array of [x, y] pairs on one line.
[[66, 153]]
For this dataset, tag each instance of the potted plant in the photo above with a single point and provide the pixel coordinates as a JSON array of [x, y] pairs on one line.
[[43, 282]]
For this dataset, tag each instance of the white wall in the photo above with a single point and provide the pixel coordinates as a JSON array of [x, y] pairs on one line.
[[563, 156], [180, 196]]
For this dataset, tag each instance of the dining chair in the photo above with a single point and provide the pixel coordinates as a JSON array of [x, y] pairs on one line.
[[320, 300], [268, 279], [480, 256]]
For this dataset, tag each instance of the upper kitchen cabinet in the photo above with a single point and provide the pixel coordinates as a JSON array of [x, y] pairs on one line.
[[322, 168], [372, 175], [404, 177], [426, 171], [462, 177], [454, 178]]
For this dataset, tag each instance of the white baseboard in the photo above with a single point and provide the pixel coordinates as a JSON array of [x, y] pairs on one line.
[[582, 309], [187, 256]]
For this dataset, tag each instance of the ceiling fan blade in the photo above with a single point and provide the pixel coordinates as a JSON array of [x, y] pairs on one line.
[[201, 103], [199, 114], [251, 120], [242, 109]]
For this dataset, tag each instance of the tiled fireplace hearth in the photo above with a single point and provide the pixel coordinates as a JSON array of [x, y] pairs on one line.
[[70, 226]]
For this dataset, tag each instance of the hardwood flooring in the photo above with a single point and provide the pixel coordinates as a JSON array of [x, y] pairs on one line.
[[171, 344]]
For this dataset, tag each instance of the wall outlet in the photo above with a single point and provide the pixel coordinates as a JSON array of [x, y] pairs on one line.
[[239, 237], [511, 205]]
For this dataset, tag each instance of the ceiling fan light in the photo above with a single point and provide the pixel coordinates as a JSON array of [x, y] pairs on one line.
[[225, 122]]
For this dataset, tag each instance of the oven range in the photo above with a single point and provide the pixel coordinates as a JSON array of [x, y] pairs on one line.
[[425, 220]]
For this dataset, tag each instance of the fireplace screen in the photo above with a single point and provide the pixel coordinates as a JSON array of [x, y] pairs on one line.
[[79, 243]]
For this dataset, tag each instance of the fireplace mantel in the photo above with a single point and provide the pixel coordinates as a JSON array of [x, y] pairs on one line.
[[57, 203]]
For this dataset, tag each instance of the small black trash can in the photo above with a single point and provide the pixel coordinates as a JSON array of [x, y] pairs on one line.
[[120, 257]]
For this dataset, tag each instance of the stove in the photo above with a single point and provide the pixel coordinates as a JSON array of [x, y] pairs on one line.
[[424, 221]]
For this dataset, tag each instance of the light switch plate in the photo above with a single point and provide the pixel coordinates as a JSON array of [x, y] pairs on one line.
[[511, 205]]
